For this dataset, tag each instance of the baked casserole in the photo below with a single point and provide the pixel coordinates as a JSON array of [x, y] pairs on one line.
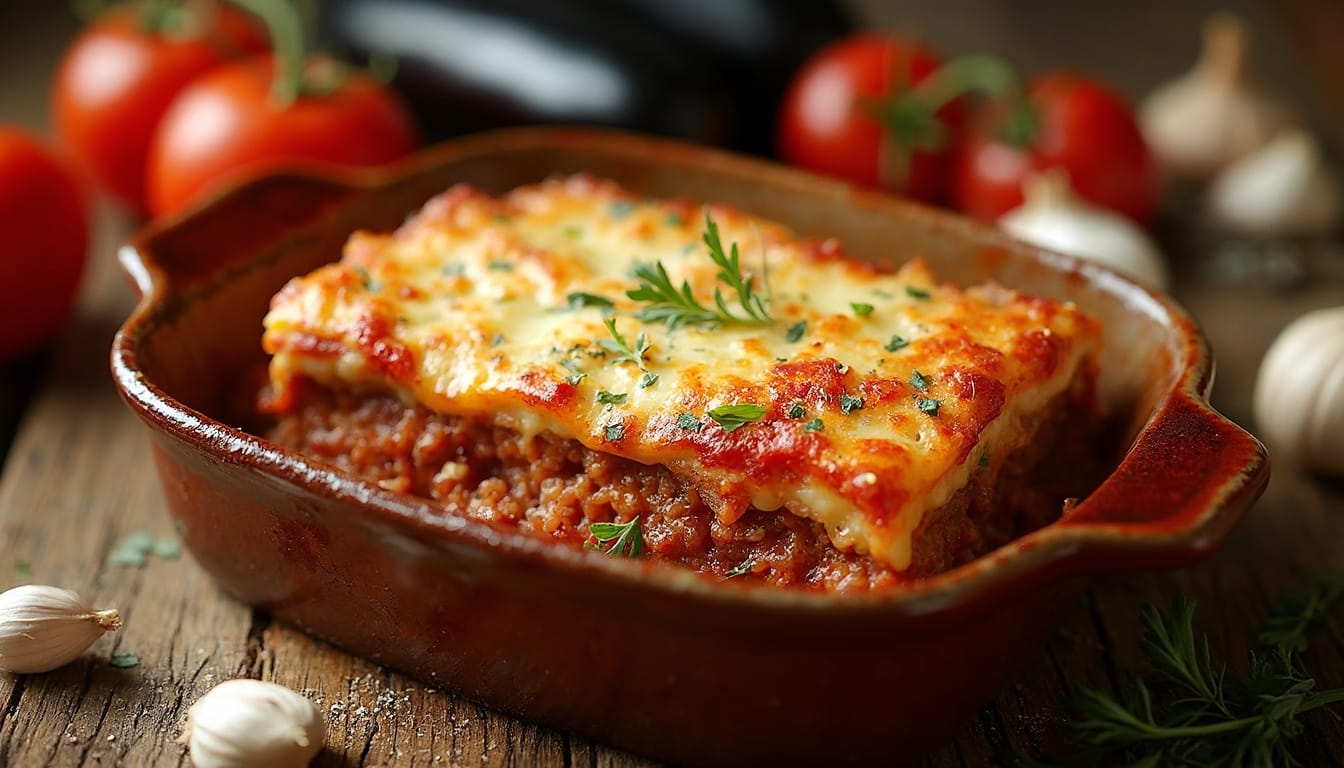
[[686, 383]]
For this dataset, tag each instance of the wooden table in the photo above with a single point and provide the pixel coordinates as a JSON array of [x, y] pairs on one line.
[[77, 478]]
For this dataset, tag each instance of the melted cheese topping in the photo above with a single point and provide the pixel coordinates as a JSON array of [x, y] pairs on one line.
[[882, 391]]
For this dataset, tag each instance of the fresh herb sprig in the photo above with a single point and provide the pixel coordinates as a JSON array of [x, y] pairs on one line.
[[620, 539], [618, 346], [1191, 712], [678, 306]]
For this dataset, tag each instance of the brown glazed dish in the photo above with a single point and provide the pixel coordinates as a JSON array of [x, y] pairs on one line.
[[655, 660]]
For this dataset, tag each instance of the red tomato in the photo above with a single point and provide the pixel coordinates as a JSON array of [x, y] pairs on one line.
[[827, 124], [44, 227], [225, 127], [1085, 128], [117, 79]]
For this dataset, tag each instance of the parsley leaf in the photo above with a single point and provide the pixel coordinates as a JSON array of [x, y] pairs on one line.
[[615, 432], [850, 403], [621, 348], [611, 398], [796, 411], [620, 539], [928, 405], [741, 569], [583, 300], [688, 422], [897, 342], [815, 425], [861, 309], [917, 293], [734, 417], [919, 381], [622, 208], [648, 380], [796, 331]]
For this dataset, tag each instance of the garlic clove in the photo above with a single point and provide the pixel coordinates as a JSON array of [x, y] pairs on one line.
[[43, 628], [1211, 116], [1283, 188], [253, 724], [1052, 216], [1299, 392]]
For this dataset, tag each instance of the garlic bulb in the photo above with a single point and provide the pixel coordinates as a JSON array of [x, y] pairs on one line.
[[1299, 392], [1214, 114], [253, 724], [1053, 217], [42, 628], [1284, 188]]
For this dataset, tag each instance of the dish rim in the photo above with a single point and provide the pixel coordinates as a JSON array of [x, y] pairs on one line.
[[1064, 547]]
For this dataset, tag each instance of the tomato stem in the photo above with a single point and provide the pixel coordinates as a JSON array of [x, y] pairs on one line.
[[286, 30]]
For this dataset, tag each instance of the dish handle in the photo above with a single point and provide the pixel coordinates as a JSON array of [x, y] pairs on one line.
[[230, 228]]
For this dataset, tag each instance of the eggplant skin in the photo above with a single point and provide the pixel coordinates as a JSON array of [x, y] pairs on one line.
[[709, 71]]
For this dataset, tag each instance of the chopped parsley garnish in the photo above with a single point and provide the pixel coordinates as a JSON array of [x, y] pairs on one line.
[[897, 342], [501, 218], [618, 346], [741, 569], [648, 380], [615, 431], [796, 411], [367, 282], [919, 381], [453, 270], [675, 220], [573, 232], [497, 340], [861, 309], [575, 379], [796, 331], [928, 405], [688, 422], [583, 300], [917, 293], [734, 417], [850, 403], [611, 398], [620, 539], [814, 425], [501, 266], [570, 365], [677, 306], [622, 208], [984, 459]]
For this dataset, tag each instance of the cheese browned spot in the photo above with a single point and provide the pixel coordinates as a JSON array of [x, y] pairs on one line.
[[465, 311]]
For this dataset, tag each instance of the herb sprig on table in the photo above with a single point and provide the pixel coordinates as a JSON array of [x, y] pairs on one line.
[[1192, 712]]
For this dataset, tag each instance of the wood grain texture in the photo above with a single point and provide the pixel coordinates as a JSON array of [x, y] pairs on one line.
[[78, 479]]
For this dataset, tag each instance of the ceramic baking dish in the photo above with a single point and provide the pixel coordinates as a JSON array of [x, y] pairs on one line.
[[651, 659]]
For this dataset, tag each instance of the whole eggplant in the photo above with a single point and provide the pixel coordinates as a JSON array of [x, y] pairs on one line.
[[710, 71]]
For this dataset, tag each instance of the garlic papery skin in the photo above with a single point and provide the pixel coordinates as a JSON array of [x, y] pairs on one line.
[[42, 628], [1200, 122], [1299, 392], [253, 724], [1052, 216], [1284, 188]]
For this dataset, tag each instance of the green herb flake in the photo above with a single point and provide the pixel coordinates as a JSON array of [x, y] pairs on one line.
[[367, 281], [167, 548], [497, 339], [897, 343], [584, 300], [815, 425], [928, 405], [796, 411], [622, 208], [917, 293], [919, 381], [132, 550], [615, 432], [501, 218], [573, 232], [611, 398], [575, 379], [984, 459], [850, 403], [124, 660], [21, 570], [688, 422], [796, 331], [648, 380], [453, 270], [741, 569], [619, 539], [675, 219], [861, 309], [501, 266], [734, 417]]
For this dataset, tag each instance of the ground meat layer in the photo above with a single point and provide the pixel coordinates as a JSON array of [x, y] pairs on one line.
[[553, 487]]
